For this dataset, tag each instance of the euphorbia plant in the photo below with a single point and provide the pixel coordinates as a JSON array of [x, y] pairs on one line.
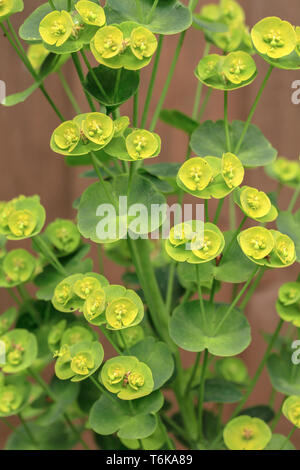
[[166, 302]]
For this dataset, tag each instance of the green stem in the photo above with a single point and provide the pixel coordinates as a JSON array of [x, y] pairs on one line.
[[193, 373], [100, 259], [277, 416], [288, 437], [232, 213], [135, 114], [152, 82], [75, 431], [51, 3], [28, 431], [139, 10], [228, 142], [294, 199], [199, 87], [252, 289], [227, 249], [49, 255], [92, 72], [69, 5], [100, 177], [253, 108], [117, 83], [167, 82], [175, 427], [204, 104], [206, 210], [186, 296], [109, 338], [26, 298], [7, 423], [80, 74], [124, 342], [13, 296], [218, 211], [202, 308], [201, 394], [236, 300], [170, 445], [149, 16], [170, 286], [69, 92]]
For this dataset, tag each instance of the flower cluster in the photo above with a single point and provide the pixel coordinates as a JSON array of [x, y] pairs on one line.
[[22, 217], [255, 204], [17, 266], [246, 433], [288, 303]]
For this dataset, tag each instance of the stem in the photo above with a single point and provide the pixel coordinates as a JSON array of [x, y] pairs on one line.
[[170, 445], [252, 289], [201, 394], [49, 255], [69, 92], [135, 116], [100, 177], [202, 308], [187, 295], [232, 213], [124, 342], [28, 431], [109, 338], [294, 199], [228, 142], [234, 236], [176, 428], [153, 8], [193, 373], [204, 104], [234, 303], [206, 210], [253, 108], [69, 5], [218, 211], [288, 438], [51, 4], [117, 83], [277, 416], [92, 72], [170, 287], [79, 71], [100, 259], [167, 82], [13, 296], [199, 86], [152, 82], [26, 298], [7, 423]]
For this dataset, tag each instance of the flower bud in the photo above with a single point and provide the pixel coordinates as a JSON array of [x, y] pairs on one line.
[[86, 286], [289, 293], [94, 305], [63, 235], [19, 266], [232, 369], [10, 398], [285, 248], [232, 170]]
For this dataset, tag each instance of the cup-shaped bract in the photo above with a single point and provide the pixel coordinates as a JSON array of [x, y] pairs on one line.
[[232, 170], [127, 377], [274, 37], [98, 128], [121, 125], [19, 266], [64, 236], [94, 307], [289, 293], [141, 144], [9, 7], [284, 248], [79, 361], [291, 410], [67, 135], [211, 245], [7, 319], [232, 369], [91, 13], [85, 286], [11, 398], [195, 174], [143, 43], [108, 41], [36, 54], [56, 27], [286, 170], [232, 12], [254, 203], [256, 242], [246, 433], [55, 334], [22, 217], [181, 234], [76, 334], [21, 350], [239, 67], [121, 313]]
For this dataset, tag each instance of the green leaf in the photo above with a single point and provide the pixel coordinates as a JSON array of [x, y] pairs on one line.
[[263, 412], [109, 415], [57, 436], [284, 375], [221, 391], [20, 97], [203, 23], [289, 62], [191, 332], [170, 16], [73, 264], [210, 139], [119, 85], [279, 442], [116, 223], [289, 224], [178, 120], [158, 357]]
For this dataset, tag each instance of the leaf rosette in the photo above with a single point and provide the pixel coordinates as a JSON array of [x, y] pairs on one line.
[[127, 377], [79, 361]]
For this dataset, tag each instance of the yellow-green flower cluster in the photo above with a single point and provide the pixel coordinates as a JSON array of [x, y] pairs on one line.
[[17, 267], [268, 248], [211, 176], [255, 204], [286, 172], [274, 37], [291, 410], [9, 7], [288, 303], [246, 433], [22, 217], [64, 236], [21, 350], [232, 369], [127, 377]]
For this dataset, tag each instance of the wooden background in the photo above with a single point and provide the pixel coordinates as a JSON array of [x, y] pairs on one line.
[[28, 166]]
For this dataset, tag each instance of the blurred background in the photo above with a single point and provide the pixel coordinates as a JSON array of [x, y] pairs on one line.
[[28, 166]]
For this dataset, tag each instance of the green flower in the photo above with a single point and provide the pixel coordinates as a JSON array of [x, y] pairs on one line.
[[56, 27], [291, 410], [284, 248], [98, 128], [56, 333], [143, 43], [82, 363], [246, 433], [21, 350], [232, 369], [121, 313], [181, 234], [108, 41], [86, 286], [7, 319], [19, 266], [67, 135], [10, 399], [91, 13], [63, 293], [6, 6], [208, 67], [232, 12], [289, 293], [141, 144], [232, 170], [254, 203], [132, 336], [36, 54], [94, 306], [256, 242], [209, 247], [76, 334], [286, 170], [121, 125], [127, 377], [22, 217], [22, 223], [63, 235], [195, 174], [238, 67], [274, 37]]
